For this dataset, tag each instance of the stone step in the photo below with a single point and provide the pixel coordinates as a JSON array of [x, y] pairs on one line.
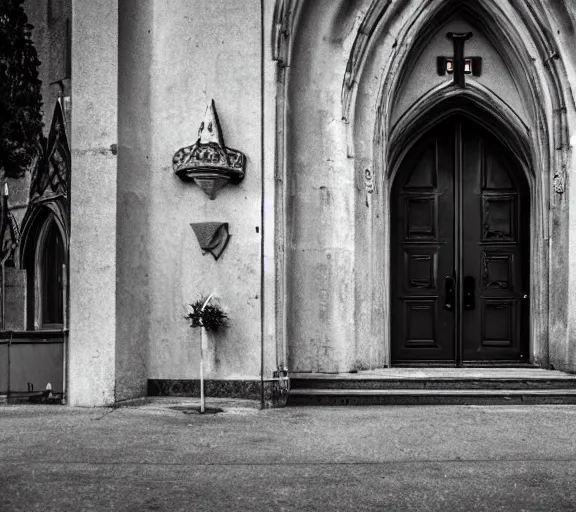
[[350, 396], [438, 383], [437, 378]]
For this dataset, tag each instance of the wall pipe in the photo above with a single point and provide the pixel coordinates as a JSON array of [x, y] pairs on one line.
[[262, 212]]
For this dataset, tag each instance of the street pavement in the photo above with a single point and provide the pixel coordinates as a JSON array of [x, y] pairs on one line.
[[155, 458]]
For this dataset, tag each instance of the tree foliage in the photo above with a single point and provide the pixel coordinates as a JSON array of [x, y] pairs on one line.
[[20, 93]]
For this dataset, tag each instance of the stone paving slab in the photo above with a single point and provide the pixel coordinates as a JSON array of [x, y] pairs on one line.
[[152, 457]]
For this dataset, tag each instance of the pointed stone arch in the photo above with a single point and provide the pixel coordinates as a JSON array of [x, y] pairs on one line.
[[475, 102], [522, 33], [40, 219], [376, 46]]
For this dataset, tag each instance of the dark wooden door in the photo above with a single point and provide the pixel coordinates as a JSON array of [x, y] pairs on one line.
[[459, 252]]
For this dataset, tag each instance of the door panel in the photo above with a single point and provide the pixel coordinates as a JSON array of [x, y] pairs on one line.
[[423, 251], [459, 226], [495, 249]]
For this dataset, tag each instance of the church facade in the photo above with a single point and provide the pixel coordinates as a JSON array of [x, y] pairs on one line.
[[358, 184]]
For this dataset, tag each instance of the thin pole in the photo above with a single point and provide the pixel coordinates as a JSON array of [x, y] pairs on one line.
[[9, 363], [262, 209], [3, 271], [202, 343], [64, 328], [5, 222], [202, 397], [3, 295]]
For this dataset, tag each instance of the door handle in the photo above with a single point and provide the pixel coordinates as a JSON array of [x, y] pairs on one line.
[[469, 294], [450, 289]]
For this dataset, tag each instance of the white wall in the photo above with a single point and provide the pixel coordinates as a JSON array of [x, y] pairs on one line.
[[210, 51]]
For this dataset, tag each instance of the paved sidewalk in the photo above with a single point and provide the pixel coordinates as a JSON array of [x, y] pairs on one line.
[[154, 458]]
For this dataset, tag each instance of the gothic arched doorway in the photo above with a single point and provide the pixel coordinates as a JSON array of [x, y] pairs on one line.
[[460, 249]]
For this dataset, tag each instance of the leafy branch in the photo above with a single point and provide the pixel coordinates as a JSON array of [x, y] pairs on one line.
[[211, 317]]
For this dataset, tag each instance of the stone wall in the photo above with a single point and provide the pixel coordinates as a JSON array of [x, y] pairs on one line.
[[209, 52], [300, 92], [134, 234]]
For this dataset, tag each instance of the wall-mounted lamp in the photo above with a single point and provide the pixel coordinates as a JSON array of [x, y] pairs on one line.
[[208, 162]]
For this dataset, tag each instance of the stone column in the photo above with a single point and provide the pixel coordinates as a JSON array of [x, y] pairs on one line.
[[91, 360]]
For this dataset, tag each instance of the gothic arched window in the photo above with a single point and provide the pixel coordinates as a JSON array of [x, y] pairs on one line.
[[49, 272], [45, 257]]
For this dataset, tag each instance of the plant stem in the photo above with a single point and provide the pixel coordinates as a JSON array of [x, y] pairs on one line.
[[202, 398]]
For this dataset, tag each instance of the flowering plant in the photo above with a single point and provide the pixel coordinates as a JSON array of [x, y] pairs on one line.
[[209, 316]]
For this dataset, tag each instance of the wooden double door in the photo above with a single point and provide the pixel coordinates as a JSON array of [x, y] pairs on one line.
[[459, 250]]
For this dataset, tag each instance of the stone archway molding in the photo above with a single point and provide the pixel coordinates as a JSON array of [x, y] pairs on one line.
[[382, 39], [477, 102], [521, 32]]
